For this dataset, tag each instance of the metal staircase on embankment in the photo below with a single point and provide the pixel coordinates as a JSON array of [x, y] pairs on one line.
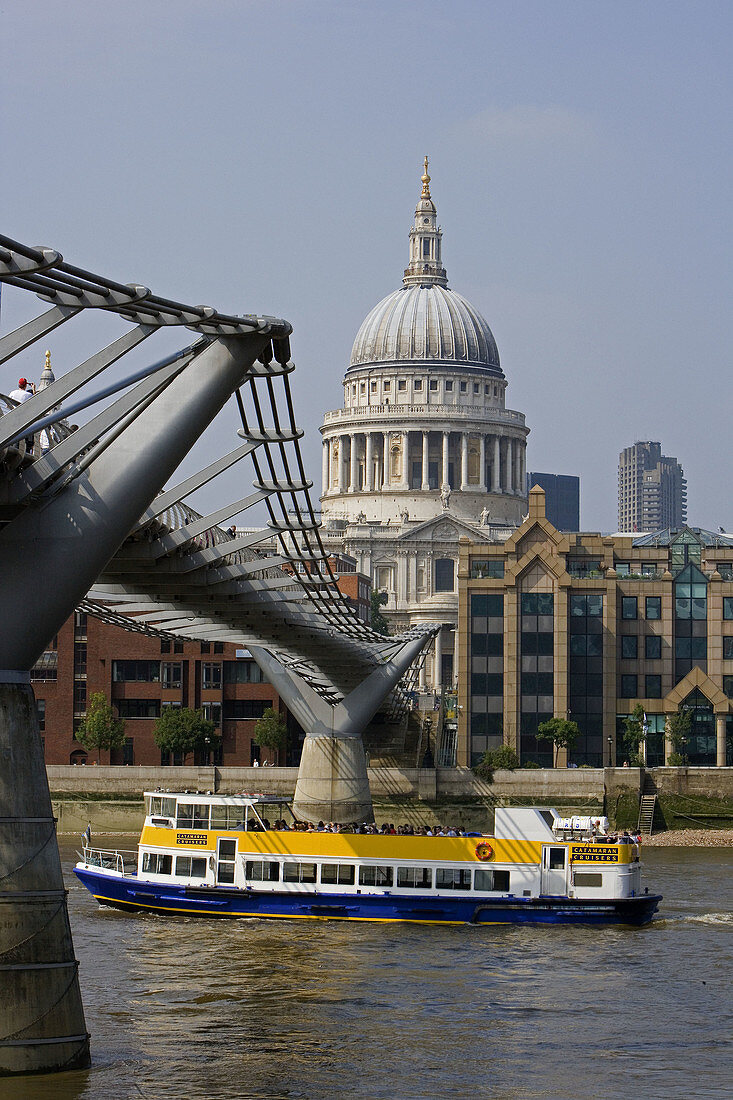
[[647, 805]]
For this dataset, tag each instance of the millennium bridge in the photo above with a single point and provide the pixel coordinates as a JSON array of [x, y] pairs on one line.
[[89, 520]]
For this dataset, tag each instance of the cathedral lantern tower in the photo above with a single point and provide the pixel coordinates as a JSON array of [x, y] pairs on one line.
[[424, 427]]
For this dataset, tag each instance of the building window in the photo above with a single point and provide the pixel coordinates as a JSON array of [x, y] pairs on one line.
[[654, 607], [464, 387], [212, 712], [138, 708], [142, 672], [488, 567], [418, 383], [475, 387], [628, 607], [165, 647], [218, 647], [449, 386], [629, 647], [41, 712], [210, 676], [372, 387], [728, 686], [433, 384], [387, 386], [178, 647], [622, 569], [728, 648], [653, 686], [628, 687], [444, 575], [728, 607], [242, 672], [46, 667], [171, 673], [206, 647], [582, 567], [244, 709], [653, 647], [401, 384]]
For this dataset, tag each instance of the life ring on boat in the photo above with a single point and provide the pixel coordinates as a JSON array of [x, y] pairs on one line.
[[484, 850]]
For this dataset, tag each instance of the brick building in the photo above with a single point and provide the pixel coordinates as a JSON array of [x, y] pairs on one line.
[[140, 675]]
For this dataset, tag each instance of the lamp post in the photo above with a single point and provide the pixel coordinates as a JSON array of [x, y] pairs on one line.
[[610, 752], [207, 742]]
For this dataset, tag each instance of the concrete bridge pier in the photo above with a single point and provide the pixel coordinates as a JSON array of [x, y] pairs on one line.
[[42, 1026]]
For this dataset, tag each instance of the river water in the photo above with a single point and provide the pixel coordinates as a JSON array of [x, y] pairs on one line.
[[314, 1010]]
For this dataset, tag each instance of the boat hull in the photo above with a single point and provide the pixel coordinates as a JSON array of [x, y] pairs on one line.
[[132, 893]]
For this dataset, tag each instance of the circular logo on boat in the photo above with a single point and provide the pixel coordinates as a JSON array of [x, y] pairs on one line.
[[484, 850]]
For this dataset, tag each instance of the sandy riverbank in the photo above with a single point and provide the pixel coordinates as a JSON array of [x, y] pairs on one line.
[[690, 838]]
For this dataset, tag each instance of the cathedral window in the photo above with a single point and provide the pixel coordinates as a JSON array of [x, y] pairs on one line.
[[402, 384], [464, 387], [387, 387], [433, 384], [449, 386], [444, 574], [373, 387], [418, 383], [475, 387], [426, 248]]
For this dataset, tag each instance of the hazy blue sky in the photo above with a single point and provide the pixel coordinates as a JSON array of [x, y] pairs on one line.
[[265, 156]]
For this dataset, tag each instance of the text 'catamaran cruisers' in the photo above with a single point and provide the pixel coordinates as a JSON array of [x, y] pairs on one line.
[[219, 856]]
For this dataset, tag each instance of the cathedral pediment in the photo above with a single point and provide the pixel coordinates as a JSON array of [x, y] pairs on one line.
[[445, 529]]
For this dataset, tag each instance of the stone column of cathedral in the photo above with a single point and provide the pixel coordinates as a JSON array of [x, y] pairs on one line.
[[464, 462], [509, 468], [425, 484], [482, 464], [369, 463], [496, 472], [385, 462], [444, 475]]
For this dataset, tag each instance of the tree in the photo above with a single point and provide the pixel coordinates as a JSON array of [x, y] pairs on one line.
[[101, 728], [379, 623], [634, 735], [678, 730], [270, 731], [180, 729], [561, 732]]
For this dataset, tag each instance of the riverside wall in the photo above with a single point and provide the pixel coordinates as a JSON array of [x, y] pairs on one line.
[[110, 798]]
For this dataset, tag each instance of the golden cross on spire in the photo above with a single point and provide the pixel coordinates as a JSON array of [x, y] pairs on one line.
[[425, 194]]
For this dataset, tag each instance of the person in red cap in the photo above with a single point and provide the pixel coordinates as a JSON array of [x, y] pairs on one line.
[[24, 392]]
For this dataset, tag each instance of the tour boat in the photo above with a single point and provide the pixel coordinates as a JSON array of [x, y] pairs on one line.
[[221, 856]]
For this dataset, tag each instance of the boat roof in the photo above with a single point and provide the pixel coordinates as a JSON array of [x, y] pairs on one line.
[[207, 798]]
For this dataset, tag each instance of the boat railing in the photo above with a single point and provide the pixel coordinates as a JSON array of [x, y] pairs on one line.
[[111, 859]]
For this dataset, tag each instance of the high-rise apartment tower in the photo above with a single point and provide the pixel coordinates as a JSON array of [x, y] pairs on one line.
[[652, 490]]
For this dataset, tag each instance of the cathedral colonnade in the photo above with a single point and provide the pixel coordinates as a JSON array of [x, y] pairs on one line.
[[397, 460]]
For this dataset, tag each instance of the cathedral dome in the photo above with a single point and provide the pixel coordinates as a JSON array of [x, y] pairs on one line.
[[424, 322]]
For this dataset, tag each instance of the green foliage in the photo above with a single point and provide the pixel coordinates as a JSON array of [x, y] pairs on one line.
[[180, 729], [270, 730], [633, 736], [378, 621], [560, 731], [531, 764], [503, 757], [678, 730], [101, 728]]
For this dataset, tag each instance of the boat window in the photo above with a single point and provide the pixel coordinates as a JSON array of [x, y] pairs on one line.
[[299, 872], [227, 817], [262, 870], [376, 876], [227, 856], [453, 878], [338, 874], [155, 863], [487, 878], [587, 878], [191, 866], [415, 878], [193, 815], [557, 859]]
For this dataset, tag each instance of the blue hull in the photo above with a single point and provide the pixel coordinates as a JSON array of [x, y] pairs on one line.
[[218, 901]]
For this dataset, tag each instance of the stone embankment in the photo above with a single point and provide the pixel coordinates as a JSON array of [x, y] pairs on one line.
[[690, 838]]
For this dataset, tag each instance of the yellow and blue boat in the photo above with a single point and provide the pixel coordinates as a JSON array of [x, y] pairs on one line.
[[220, 856]]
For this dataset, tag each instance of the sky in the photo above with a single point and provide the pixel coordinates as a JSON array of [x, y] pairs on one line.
[[266, 157]]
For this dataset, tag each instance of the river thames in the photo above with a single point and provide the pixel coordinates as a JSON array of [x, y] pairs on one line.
[[314, 1010]]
